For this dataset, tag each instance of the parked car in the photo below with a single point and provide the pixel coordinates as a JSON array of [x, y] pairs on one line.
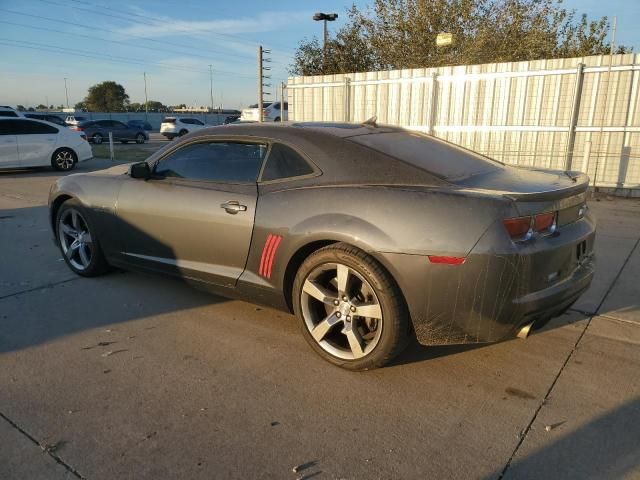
[[73, 120], [47, 118], [172, 127], [140, 124], [231, 119], [97, 131], [368, 234], [27, 142], [6, 111], [270, 112]]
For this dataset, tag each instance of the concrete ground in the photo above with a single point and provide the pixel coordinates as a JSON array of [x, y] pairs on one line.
[[133, 376]]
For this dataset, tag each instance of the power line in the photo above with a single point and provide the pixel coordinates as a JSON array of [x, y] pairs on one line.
[[110, 58], [91, 37], [93, 28], [155, 24]]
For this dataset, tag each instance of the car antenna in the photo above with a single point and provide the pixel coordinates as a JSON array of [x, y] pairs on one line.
[[371, 122]]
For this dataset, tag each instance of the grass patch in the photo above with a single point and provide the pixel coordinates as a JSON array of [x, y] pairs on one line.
[[123, 153]]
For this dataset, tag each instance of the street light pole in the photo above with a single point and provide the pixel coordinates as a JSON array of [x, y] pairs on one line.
[[211, 85], [66, 92], [325, 17], [146, 100]]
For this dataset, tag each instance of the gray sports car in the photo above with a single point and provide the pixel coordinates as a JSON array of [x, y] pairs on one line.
[[369, 234]]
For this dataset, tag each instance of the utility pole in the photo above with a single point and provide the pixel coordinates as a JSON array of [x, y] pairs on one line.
[[146, 100], [325, 17], [211, 85], [66, 92], [282, 87], [261, 78]]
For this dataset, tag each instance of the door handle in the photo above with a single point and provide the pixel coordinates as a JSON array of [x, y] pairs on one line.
[[233, 207]]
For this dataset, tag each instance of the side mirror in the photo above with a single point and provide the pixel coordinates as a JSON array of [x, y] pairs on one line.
[[140, 170]]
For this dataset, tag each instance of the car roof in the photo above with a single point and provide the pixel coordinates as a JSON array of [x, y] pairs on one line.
[[13, 119]]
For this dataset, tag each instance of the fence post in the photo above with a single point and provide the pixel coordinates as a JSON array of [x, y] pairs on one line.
[[433, 107], [347, 99], [111, 146], [573, 123]]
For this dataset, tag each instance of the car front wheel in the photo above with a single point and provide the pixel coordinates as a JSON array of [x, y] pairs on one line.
[[140, 138], [78, 243], [97, 139], [352, 312]]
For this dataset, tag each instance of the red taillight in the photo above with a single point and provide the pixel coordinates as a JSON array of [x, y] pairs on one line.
[[446, 260], [522, 228], [77, 129], [265, 113], [544, 221], [519, 227]]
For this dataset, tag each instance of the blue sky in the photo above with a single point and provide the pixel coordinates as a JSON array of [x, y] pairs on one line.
[[87, 41]]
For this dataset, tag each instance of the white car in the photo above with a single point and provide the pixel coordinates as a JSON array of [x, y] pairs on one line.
[[35, 143], [6, 111], [172, 127], [73, 120], [270, 112]]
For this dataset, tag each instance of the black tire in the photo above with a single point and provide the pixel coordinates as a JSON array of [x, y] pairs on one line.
[[182, 132], [140, 139], [394, 322], [97, 138], [124, 141], [277, 119], [97, 264], [64, 159]]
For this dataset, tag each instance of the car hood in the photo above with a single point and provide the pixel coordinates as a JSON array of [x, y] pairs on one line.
[[114, 171]]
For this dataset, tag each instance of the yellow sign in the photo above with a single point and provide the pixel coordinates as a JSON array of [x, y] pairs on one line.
[[444, 39]]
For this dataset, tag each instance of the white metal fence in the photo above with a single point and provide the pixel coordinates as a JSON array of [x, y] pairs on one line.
[[580, 113]]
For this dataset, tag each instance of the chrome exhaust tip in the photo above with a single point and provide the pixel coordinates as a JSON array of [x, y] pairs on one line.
[[524, 331]]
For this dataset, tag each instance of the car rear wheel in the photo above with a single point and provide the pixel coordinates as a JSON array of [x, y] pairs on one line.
[[183, 132], [140, 138], [352, 313], [97, 138], [63, 159], [78, 243]]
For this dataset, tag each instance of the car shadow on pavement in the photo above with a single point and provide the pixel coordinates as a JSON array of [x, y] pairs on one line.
[[606, 447], [41, 299]]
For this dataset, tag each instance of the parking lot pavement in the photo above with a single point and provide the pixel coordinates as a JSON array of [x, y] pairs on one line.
[[143, 377]]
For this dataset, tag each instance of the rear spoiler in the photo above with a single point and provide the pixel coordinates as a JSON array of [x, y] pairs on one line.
[[580, 185]]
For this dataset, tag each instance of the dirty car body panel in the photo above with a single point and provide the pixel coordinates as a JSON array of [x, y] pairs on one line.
[[432, 214]]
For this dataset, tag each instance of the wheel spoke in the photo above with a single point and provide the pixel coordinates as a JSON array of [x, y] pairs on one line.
[[74, 220], [73, 248], [370, 310], [342, 275], [86, 237], [356, 344], [68, 230], [84, 255], [322, 328], [318, 292]]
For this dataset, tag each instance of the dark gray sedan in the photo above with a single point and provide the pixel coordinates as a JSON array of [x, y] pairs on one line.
[[369, 234], [97, 131]]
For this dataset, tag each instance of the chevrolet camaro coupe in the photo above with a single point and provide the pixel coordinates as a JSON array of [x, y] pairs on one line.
[[369, 234]]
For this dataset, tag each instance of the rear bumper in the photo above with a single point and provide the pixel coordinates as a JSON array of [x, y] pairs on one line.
[[496, 291]]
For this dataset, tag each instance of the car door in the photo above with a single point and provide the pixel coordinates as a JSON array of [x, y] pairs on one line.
[[194, 217], [120, 131], [8, 144], [36, 142]]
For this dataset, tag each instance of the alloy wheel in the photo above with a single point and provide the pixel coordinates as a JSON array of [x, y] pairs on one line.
[[75, 239], [341, 311], [64, 160]]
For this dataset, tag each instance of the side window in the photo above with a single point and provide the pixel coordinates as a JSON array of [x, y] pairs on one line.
[[284, 162], [118, 125], [27, 127], [186, 120], [197, 122], [5, 128], [228, 162], [8, 113]]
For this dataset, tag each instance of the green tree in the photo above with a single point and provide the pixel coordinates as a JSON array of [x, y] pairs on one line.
[[154, 106], [107, 96], [80, 106], [20, 108], [395, 34], [41, 107]]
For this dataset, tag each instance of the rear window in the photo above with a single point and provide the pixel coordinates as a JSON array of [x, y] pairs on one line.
[[433, 155], [8, 113], [168, 120]]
